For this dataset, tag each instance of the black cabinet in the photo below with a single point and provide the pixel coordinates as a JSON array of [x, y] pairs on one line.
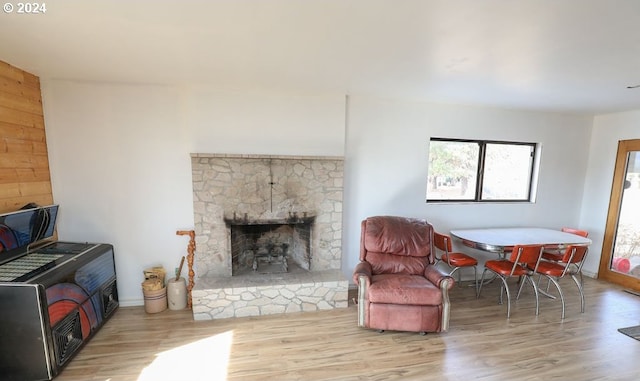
[[52, 301]]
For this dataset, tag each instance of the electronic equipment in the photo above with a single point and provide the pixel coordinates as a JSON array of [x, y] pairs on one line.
[[54, 295]]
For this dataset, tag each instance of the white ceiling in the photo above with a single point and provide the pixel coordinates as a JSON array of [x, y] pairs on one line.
[[559, 55]]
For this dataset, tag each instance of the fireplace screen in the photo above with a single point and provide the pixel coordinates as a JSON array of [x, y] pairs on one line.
[[274, 246]]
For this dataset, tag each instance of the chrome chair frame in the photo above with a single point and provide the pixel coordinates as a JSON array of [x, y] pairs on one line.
[[446, 252], [517, 264], [556, 254], [569, 267]]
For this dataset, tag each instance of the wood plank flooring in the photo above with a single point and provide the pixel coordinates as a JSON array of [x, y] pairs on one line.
[[481, 344]]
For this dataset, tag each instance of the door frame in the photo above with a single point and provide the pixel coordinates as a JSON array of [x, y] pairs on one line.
[[615, 202]]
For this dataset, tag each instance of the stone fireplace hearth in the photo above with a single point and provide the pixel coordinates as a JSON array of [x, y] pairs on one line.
[[268, 233]]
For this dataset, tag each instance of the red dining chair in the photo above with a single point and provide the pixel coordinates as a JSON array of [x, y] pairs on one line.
[[522, 263], [557, 254], [455, 261], [570, 264]]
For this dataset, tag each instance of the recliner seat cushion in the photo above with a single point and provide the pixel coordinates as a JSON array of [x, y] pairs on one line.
[[403, 289]]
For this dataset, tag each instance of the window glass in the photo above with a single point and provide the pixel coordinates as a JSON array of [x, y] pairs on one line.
[[477, 170], [507, 172], [453, 168]]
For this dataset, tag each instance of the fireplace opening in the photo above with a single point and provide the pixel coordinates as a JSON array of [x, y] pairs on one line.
[[270, 246]]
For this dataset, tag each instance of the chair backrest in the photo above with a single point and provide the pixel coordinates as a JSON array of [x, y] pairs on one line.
[[582, 233], [396, 244], [442, 242], [526, 254], [575, 254]]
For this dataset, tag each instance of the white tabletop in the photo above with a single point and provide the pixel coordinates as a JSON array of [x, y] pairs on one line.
[[503, 239]]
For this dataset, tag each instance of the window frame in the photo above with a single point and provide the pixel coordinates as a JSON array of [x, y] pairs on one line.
[[482, 143]]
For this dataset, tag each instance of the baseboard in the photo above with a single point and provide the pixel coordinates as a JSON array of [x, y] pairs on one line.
[[131, 303]]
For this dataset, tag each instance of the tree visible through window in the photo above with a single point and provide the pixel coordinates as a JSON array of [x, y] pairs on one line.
[[478, 170]]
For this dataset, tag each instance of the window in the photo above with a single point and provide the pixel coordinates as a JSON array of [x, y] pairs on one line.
[[480, 170]]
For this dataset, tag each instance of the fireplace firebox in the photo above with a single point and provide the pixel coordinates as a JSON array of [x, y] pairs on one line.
[[270, 246]]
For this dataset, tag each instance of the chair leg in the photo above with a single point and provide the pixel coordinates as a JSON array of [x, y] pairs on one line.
[[479, 287], [456, 270], [540, 279], [581, 280], [535, 291], [548, 283], [505, 287], [521, 282], [475, 279], [575, 280], [557, 284]]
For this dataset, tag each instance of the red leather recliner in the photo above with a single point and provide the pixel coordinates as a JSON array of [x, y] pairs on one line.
[[399, 287]]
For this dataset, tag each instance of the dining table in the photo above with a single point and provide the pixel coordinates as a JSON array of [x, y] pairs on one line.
[[502, 240]]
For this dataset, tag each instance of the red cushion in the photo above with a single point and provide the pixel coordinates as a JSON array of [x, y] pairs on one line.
[[550, 268], [403, 289], [459, 259], [504, 268]]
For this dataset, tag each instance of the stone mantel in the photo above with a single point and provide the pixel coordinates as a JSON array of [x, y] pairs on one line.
[[293, 220], [259, 156]]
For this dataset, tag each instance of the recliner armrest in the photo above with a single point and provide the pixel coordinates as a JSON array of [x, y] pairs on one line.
[[444, 282], [362, 269], [436, 276], [362, 278]]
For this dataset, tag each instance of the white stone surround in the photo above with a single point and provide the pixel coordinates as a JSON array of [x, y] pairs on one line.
[[276, 293], [258, 187]]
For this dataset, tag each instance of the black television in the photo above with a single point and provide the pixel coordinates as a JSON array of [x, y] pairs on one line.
[[23, 229]]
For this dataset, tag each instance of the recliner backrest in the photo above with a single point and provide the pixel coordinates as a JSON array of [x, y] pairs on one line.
[[396, 245]]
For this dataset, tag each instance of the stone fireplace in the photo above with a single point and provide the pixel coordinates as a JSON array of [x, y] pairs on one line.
[[268, 234]]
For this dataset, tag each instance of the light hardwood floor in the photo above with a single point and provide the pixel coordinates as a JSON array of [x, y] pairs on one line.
[[481, 344]]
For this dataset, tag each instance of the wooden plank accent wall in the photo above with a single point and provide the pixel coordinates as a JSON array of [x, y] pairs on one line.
[[24, 163]]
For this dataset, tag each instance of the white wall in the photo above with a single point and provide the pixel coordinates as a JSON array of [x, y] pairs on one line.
[[120, 158], [607, 131], [120, 164], [386, 165]]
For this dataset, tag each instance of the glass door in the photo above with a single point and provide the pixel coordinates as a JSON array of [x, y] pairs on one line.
[[620, 261]]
